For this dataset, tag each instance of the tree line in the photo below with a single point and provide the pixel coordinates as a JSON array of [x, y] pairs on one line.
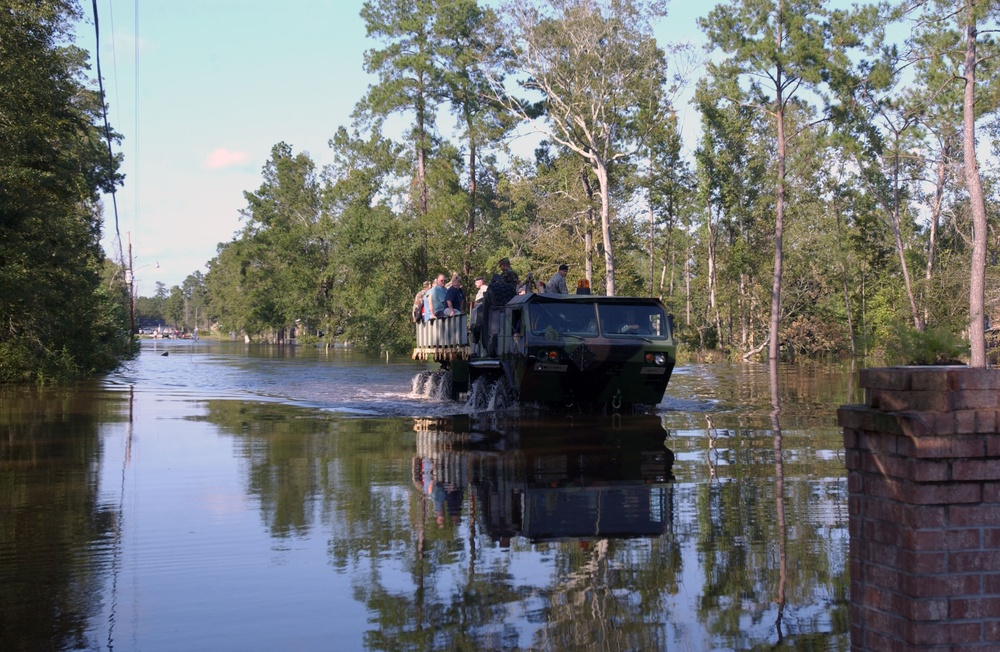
[[832, 206], [63, 305]]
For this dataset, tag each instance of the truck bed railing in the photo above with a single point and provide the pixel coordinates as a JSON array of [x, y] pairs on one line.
[[443, 339]]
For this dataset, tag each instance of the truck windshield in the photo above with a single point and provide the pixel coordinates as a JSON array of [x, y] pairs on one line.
[[564, 318], [624, 321]]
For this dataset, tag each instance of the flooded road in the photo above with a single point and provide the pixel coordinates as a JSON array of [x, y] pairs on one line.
[[232, 497]]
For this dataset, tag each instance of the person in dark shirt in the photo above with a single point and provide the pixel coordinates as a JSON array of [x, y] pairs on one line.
[[455, 298], [557, 284]]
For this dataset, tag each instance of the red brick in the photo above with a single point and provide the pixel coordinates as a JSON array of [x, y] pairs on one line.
[[889, 400], [930, 609], [944, 633], [948, 447], [931, 540], [923, 563], [879, 442], [887, 533], [887, 487], [980, 561], [985, 515], [949, 493], [882, 553], [927, 471], [887, 578], [849, 419], [975, 399], [963, 470], [926, 516], [974, 608], [879, 509], [874, 640], [991, 631], [886, 623], [890, 423], [932, 380], [858, 637], [991, 538], [877, 598], [977, 379], [883, 464], [965, 422], [991, 493], [993, 444], [855, 481], [942, 586], [991, 584], [885, 378], [944, 423], [986, 421]]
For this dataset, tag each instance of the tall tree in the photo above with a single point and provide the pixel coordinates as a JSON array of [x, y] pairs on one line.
[[597, 68], [374, 256], [971, 16], [465, 37], [781, 49], [408, 80], [274, 265]]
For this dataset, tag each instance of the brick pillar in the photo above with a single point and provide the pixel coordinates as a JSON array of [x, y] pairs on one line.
[[923, 476]]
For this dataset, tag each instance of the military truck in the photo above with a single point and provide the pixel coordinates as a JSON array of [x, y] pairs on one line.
[[558, 349]]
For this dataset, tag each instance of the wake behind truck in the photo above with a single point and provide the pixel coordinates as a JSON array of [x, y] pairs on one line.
[[557, 349]]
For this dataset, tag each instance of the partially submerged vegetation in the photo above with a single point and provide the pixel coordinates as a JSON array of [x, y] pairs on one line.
[[824, 212], [825, 194]]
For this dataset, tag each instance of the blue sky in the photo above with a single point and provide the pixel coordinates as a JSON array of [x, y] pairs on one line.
[[216, 85]]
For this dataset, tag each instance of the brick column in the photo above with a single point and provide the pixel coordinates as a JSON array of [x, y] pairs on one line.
[[923, 475]]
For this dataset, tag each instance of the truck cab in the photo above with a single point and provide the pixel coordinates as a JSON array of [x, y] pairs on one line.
[[571, 349]]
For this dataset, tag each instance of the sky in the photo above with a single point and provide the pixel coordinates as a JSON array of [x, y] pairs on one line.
[[201, 90]]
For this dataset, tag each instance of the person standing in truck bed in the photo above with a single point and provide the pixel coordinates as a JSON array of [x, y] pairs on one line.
[[434, 305], [455, 297], [503, 286], [557, 284]]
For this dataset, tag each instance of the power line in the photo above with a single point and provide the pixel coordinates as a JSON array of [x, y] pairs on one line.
[[107, 132]]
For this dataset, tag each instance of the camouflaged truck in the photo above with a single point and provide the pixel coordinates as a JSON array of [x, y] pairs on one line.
[[584, 350]]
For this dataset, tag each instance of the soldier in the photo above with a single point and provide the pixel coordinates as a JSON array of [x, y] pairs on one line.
[[503, 286], [557, 284]]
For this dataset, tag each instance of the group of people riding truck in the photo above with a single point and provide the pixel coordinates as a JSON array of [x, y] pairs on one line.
[[438, 299]]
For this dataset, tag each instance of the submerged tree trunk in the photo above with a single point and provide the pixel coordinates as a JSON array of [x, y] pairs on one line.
[[779, 219]]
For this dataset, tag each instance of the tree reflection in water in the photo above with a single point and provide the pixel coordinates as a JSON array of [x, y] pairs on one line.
[[263, 524]]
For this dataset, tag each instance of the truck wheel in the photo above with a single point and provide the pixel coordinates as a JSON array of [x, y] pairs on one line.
[[479, 394], [502, 399]]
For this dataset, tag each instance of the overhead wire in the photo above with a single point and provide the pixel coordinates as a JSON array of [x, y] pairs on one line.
[[135, 118], [107, 132]]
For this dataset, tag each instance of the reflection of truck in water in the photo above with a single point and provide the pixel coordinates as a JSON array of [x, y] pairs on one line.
[[555, 348], [588, 481]]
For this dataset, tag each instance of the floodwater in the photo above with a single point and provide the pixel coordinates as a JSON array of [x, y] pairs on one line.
[[222, 496]]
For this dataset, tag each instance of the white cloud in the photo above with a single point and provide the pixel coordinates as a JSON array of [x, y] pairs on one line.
[[220, 158]]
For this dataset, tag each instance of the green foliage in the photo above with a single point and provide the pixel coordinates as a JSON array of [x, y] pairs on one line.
[[869, 171], [60, 319], [928, 347]]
